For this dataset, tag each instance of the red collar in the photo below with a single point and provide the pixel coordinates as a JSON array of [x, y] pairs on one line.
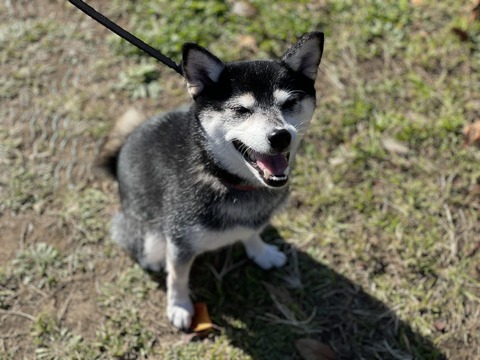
[[240, 187]]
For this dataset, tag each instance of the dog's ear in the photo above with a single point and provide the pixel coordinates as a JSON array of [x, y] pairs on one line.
[[304, 57], [200, 67]]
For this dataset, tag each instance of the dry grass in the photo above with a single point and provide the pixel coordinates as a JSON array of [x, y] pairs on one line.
[[382, 230]]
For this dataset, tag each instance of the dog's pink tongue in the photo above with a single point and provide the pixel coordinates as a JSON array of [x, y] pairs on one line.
[[272, 164]]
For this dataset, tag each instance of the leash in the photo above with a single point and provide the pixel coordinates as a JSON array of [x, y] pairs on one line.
[[132, 39]]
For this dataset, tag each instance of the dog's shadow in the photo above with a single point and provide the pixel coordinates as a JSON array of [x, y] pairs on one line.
[[266, 313]]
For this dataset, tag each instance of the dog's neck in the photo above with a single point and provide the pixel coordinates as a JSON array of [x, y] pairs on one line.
[[240, 187]]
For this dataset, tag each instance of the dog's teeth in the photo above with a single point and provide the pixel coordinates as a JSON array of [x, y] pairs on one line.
[[251, 156], [267, 174], [278, 178]]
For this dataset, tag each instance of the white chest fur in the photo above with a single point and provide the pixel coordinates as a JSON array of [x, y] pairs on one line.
[[206, 240]]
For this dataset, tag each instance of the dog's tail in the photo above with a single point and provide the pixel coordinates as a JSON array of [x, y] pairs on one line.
[[124, 126]]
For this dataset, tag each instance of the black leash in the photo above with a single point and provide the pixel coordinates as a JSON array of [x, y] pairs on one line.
[[126, 35]]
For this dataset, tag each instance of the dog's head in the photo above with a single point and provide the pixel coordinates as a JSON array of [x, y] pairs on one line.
[[254, 113]]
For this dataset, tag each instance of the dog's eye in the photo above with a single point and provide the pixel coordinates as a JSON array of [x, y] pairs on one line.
[[290, 104], [242, 110]]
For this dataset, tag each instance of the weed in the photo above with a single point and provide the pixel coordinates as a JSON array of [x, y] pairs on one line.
[[383, 221], [38, 265], [140, 81], [55, 343], [84, 211]]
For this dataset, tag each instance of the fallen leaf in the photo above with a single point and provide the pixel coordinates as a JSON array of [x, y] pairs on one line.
[[201, 321], [472, 133], [244, 8], [395, 146], [311, 349], [247, 42], [474, 251], [440, 325], [476, 12], [462, 34]]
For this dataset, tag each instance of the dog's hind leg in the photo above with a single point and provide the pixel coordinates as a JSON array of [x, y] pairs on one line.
[[145, 246], [128, 233], [154, 252], [264, 255]]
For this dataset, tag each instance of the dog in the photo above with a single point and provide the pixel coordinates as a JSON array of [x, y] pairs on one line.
[[197, 179]]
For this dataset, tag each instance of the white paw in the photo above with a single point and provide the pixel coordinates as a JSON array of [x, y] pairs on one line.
[[270, 257], [180, 314], [154, 267]]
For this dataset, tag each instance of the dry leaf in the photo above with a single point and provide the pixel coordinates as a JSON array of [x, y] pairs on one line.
[[311, 349], [461, 34], [476, 12], [247, 42], [472, 133], [395, 146], [244, 8], [440, 325], [201, 320]]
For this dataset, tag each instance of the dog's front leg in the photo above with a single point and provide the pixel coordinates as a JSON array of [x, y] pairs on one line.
[[179, 305], [264, 255]]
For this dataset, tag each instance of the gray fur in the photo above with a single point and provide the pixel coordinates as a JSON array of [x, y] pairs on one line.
[[185, 183]]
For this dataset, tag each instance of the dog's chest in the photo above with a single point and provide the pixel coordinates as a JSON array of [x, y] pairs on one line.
[[204, 239], [235, 211]]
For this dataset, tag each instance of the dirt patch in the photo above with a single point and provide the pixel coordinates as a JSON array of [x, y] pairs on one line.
[[396, 225], [15, 231]]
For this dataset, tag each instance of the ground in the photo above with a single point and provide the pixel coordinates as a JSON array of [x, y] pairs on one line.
[[382, 229]]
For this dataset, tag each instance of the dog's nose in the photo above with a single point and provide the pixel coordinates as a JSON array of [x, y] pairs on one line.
[[279, 139]]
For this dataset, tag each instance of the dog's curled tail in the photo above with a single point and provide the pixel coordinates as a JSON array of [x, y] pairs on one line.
[[124, 126]]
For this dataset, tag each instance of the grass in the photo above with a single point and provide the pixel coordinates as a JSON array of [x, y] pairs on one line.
[[381, 230]]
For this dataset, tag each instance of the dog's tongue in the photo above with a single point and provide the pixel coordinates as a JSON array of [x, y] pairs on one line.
[[276, 165]]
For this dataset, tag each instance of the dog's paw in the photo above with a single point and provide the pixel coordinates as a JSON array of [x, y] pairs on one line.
[[180, 314], [154, 267], [270, 257]]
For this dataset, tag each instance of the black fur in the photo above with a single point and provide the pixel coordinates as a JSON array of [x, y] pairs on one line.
[[185, 188]]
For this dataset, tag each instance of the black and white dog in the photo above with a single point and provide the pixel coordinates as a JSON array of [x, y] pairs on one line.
[[196, 180]]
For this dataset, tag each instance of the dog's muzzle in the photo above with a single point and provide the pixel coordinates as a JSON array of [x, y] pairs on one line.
[[272, 168]]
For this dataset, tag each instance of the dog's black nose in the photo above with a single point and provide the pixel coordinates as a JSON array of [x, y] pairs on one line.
[[279, 139]]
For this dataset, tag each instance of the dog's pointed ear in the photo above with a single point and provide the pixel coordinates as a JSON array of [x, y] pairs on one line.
[[200, 67], [304, 57]]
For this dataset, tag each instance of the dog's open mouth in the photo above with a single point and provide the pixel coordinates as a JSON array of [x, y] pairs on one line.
[[273, 169]]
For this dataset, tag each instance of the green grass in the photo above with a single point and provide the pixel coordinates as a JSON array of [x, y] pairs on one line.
[[214, 23], [381, 229]]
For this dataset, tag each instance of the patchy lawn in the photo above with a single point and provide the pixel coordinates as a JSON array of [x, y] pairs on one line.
[[382, 229]]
